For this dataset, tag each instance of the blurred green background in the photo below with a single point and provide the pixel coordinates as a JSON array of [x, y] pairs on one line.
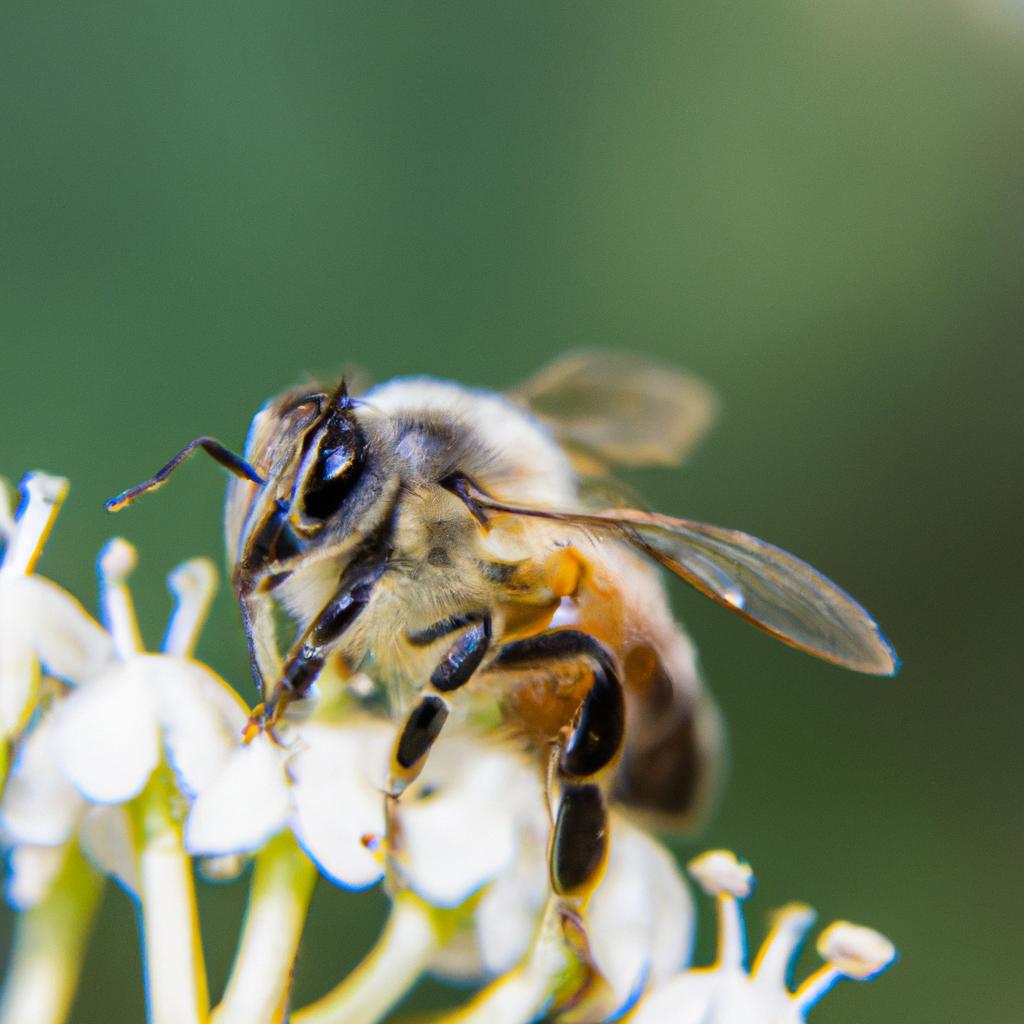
[[816, 206]]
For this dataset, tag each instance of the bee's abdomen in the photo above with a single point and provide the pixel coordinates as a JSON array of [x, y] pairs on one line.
[[669, 765]]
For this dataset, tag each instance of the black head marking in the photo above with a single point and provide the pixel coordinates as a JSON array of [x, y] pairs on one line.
[[335, 453]]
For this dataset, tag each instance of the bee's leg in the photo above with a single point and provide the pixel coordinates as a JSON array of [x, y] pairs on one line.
[[258, 623], [308, 656], [464, 656], [601, 723], [579, 842], [427, 718], [421, 729]]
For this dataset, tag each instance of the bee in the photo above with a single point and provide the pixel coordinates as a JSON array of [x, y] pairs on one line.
[[460, 546]]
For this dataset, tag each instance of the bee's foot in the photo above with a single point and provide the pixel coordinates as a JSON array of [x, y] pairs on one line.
[[256, 724], [262, 721]]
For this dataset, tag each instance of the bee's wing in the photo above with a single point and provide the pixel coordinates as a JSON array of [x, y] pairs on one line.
[[765, 585], [618, 408]]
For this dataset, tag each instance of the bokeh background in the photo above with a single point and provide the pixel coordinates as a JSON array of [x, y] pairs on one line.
[[816, 206]]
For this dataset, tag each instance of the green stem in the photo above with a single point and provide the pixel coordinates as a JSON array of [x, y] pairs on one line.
[[550, 969], [49, 943], [282, 884], [175, 971], [407, 945]]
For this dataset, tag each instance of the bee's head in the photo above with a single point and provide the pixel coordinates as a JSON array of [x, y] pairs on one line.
[[333, 458], [324, 479]]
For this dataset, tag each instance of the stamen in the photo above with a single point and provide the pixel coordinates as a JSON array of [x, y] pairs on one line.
[[858, 952], [117, 560], [779, 950], [42, 496], [6, 512], [720, 874], [852, 952], [192, 583], [374, 844], [815, 988]]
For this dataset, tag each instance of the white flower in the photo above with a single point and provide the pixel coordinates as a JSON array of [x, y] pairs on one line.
[[638, 923], [41, 814], [727, 993], [95, 747], [475, 822], [460, 823], [115, 726], [39, 622]]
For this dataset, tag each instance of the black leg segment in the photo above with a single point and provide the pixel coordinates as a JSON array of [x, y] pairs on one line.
[[309, 655], [463, 658], [598, 734], [418, 735], [580, 841], [421, 729], [455, 669], [423, 637]]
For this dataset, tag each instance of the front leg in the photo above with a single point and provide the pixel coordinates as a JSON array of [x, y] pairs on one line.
[[310, 653]]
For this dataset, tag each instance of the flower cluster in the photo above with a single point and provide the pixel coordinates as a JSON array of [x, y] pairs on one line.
[[126, 764]]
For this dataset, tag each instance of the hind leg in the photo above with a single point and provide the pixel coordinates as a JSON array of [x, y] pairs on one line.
[[579, 839]]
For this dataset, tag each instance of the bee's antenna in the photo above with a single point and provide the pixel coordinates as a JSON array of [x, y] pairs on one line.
[[340, 399], [228, 459]]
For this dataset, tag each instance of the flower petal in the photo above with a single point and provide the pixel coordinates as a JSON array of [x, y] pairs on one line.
[[691, 998], [40, 807], [640, 920], [202, 719], [106, 839], [32, 873], [510, 909], [70, 643], [246, 805], [466, 833], [19, 669], [336, 804], [108, 734]]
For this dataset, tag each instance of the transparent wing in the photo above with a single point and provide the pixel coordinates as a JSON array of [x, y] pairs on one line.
[[619, 408], [763, 584]]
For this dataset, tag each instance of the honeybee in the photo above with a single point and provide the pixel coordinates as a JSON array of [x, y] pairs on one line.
[[455, 544]]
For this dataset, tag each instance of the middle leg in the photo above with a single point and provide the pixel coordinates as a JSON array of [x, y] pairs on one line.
[[426, 720]]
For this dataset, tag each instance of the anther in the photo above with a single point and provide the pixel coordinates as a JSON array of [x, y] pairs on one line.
[[719, 873], [850, 951], [855, 951], [42, 496]]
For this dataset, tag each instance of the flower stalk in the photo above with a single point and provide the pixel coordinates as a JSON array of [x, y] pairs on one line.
[[554, 966], [176, 990], [282, 884], [411, 938], [49, 944]]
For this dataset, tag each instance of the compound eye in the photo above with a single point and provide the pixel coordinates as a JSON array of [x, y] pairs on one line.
[[336, 462], [339, 458]]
